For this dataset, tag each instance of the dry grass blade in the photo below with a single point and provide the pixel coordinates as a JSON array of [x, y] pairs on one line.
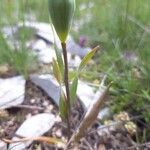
[[48, 140], [91, 114], [139, 146]]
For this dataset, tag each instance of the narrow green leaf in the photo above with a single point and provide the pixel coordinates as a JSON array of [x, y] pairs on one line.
[[58, 55], [86, 59], [60, 60], [146, 94], [73, 89], [56, 70], [63, 105]]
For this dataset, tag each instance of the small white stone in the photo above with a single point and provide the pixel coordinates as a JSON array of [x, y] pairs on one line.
[[49, 108], [85, 94], [28, 116], [88, 96], [12, 91], [45, 103], [49, 37], [58, 119], [73, 62], [33, 127], [76, 49], [39, 45], [46, 55], [58, 133], [49, 84], [9, 31], [32, 101], [3, 146], [104, 113]]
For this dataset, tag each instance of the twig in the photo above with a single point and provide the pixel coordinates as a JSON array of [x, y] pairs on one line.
[[40, 139], [132, 142], [66, 81], [88, 144], [28, 107], [138, 145]]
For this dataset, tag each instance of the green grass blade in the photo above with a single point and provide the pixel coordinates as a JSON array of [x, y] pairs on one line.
[[56, 71], [58, 55], [86, 59], [73, 89], [63, 105]]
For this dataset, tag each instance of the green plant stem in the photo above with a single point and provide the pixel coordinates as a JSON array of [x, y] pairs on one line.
[[66, 81]]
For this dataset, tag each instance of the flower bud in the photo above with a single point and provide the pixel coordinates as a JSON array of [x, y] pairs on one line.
[[61, 13]]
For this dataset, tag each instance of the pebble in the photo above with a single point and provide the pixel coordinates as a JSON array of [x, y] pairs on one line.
[[3, 145], [12, 91], [45, 103], [49, 108], [39, 45], [46, 55], [11, 123], [58, 119], [33, 127], [49, 84], [32, 101], [28, 116], [85, 93], [104, 113], [101, 147], [58, 133]]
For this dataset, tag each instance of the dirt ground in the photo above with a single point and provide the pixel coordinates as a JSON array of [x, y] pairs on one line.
[[37, 102]]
